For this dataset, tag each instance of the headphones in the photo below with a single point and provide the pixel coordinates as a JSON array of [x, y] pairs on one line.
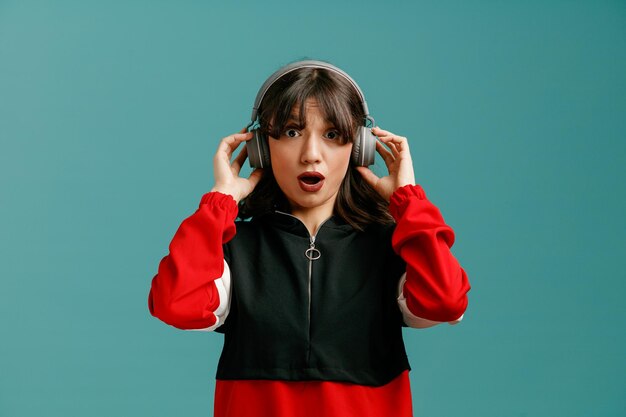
[[364, 145]]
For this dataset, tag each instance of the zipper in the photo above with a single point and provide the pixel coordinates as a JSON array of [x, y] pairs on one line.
[[312, 254]]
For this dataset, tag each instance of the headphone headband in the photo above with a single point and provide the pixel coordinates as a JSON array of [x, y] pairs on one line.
[[297, 65]]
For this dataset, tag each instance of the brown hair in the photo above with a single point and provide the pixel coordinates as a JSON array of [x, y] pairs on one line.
[[357, 202]]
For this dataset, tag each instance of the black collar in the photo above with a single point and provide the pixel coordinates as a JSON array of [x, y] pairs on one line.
[[292, 224]]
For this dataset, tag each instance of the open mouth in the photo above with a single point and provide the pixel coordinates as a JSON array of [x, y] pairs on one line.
[[311, 181]]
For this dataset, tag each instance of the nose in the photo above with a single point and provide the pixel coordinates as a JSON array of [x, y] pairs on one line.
[[311, 150]]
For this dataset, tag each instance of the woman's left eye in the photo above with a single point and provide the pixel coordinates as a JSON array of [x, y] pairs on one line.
[[333, 134]]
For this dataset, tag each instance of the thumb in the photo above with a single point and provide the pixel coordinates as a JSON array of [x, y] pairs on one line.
[[368, 175], [255, 177]]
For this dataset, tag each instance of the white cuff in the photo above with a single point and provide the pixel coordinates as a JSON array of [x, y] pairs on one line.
[[222, 310], [412, 320]]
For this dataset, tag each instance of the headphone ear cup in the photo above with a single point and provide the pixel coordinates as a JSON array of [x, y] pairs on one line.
[[356, 148], [364, 147], [258, 150]]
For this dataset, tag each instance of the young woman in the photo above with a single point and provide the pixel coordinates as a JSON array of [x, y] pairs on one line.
[[312, 285]]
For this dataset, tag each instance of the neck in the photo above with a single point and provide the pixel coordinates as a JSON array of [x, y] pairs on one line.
[[313, 218]]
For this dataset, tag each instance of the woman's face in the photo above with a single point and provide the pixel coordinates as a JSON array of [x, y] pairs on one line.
[[309, 163]]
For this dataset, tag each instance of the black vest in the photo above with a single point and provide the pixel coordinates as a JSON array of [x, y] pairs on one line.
[[334, 318]]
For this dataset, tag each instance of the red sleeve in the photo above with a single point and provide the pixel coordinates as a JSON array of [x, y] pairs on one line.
[[183, 292], [436, 286]]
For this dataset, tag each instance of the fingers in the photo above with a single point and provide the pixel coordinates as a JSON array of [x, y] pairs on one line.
[[231, 142], [239, 160], [380, 132], [397, 144], [255, 177], [384, 153]]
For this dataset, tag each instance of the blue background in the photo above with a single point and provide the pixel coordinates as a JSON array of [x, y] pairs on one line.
[[110, 113]]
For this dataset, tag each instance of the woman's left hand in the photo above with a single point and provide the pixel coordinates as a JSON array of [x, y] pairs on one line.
[[398, 161]]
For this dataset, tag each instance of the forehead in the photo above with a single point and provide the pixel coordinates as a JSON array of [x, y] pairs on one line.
[[312, 112]]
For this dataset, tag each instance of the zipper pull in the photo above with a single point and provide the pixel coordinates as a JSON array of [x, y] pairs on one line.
[[312, 253]]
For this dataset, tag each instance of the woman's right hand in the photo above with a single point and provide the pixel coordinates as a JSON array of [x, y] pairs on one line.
[[226, 174]]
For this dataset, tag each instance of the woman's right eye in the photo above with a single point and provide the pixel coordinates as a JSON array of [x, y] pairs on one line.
[[292, 133]]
